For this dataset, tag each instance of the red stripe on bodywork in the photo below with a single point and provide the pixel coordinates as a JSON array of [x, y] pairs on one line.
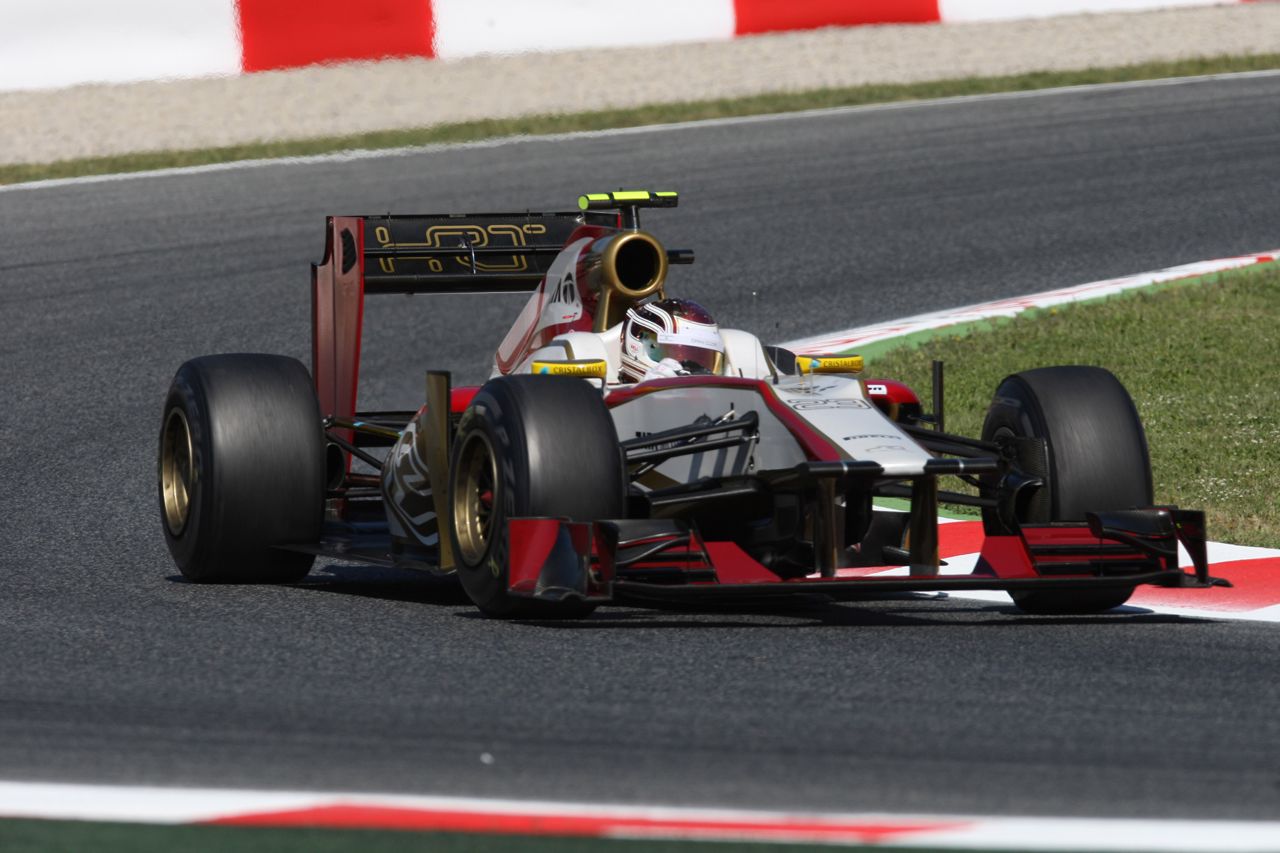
[[733, 565], [292, 33], [767, 16], [460, 398], [894, 391], [1005, 557], [1256, 585], [381, 817]]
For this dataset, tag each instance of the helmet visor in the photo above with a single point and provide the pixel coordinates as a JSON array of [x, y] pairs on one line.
[[691, 358], [698, 349]]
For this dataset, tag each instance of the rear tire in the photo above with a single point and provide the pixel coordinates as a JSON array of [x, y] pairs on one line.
[[1096, 460], [538, 446], [241, 469]]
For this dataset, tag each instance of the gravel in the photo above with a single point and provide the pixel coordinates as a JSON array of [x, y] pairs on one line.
[[107, 119]]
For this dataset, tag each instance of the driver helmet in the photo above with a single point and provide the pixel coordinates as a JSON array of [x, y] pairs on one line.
[[677, 329]]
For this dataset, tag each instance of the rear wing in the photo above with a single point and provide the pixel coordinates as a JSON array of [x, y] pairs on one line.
[[452, 253], [447, 253], [441, 253]]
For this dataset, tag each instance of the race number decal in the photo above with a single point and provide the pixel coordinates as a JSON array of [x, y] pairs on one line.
[[809, 405]]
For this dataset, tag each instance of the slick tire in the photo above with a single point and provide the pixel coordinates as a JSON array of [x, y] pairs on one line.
[[1095, 459], [528, 446], [241, 469]]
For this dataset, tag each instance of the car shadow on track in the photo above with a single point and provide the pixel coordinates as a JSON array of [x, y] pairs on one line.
[[813, 611], [386, 584], [864, 614]]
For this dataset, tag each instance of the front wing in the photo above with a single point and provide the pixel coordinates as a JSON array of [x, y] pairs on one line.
[[666, 561]]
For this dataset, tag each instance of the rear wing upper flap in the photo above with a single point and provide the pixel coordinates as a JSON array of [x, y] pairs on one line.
[[453, 253]]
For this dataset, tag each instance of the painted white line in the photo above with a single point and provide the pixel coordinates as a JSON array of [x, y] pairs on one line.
[[733, 121], [1006, 308], [1223, 552], [129, 804], [153, 804], [248, 807], [964, 564], [1264, 614]]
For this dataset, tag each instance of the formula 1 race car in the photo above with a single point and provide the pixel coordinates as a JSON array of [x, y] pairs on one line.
[[563, 483]]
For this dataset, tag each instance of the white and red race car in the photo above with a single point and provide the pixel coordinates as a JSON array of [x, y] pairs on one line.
[[563, 483]]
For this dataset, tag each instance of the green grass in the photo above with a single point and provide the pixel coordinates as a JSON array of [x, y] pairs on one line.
[[1201, 360], [655, 114]]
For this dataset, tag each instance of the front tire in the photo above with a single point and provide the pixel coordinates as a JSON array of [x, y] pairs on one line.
[[529, 446], [1095, 460], [241, 469]]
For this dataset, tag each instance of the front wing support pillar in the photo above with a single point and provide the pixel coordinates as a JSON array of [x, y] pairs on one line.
[[828, 539], [435, 436], [922, 527]]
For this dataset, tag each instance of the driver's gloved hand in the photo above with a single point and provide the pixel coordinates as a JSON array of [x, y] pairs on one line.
[[665, 369]]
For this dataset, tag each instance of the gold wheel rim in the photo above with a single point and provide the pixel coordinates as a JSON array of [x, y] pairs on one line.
[[177, 471], [475, 498]]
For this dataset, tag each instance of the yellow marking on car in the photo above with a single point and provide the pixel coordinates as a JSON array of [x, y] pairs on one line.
[[584, 201], [829, 363], [665, 198], [583, 368]]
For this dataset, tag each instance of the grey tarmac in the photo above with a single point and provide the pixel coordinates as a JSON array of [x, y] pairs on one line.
[[117, 671]]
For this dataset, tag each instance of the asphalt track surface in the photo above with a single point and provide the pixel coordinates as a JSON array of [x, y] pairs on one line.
[[115, 670]]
